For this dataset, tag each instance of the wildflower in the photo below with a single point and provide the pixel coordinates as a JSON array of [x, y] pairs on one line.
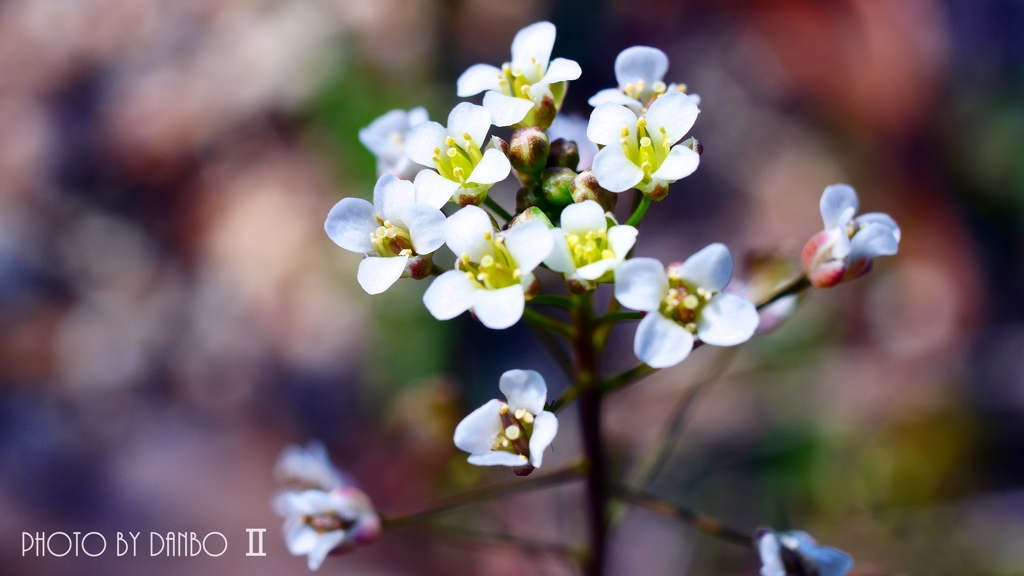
[[640, 72], [797, 554], [512, 433], [586, 250], [684, 301], [386, 137], [528, 91]]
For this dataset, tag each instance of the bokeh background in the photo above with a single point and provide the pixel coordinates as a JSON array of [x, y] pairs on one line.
[[172, 314]]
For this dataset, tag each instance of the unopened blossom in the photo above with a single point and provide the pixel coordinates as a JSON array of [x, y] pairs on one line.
[[847, 246], [465, 170], [386, 136], [493, 273], [330, 514], [797, 554], [586, 249], [511, 433], [683, 301], [397, 233], [642, 152], [640, 72], [573, 128], [529, 90]]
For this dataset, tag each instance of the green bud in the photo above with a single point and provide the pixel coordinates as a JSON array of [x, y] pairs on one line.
[[564, 153], [528, 149], [530, 214], [585, 187], [557, 186]]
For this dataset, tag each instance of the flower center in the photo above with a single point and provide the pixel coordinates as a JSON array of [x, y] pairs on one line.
[[589, 248], [642, 150], [390, 240], [457, 161], [684, 302], [492, 272], [515, 433], [327, 522]]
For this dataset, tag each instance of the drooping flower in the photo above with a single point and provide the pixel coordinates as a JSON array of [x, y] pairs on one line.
[[493, 273], [529, 90], [398, 232], [642, 152], [329, 514], [797, 554], [847, 246], [465, 170], [640, 72], [574, 129], [512, 433], [683, 301], [386, 137], [586, 249]]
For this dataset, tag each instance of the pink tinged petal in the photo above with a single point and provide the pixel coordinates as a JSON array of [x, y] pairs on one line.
[[391, 195], [350, 223], [524, 389], [561, 70], [675, 113], [477, 431], [376, 274], [529, 244], [434, 189], [838, 205], [621, 239], [641, 284], [880, 219], [771, 560], [469, 119], [710, 269], [598, 269], [493, 167], [426, 227], [449, 295], [465, 232], [640, 63], [614, 171], [423, 139], [477, 78], [727, 320], [506, 110], [497, 458], [614, 96], [606, 123], [325, 543], [533, 44], [545, 428], [416, 116], [499, 309], [560, 260], [660, 342], [586, 216], [875, 240], [680, 163], [377, 136]]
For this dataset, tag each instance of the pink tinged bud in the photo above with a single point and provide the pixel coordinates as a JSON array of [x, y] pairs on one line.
[[822, 270], [528, 150], [564, 153], [586, 187], [545, 112], [500, 144], [418, 267], [469, 197], [657, 193], [579, 286]]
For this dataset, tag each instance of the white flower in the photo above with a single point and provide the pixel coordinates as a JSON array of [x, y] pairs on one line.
[[493, 275], [585, 249], [642, 152], [847, 246], [465, 172], [574, 129], [529, 90], [310, 466], [640, 72], [683, 301], [386, 136], [797, 554], [512, 433], [397, 232]]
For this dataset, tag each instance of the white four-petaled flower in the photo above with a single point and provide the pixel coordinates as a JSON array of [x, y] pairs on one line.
[[683, 301], [511, 433], [797, 554], [494, 270], [847, 246], [386, 136], [398, 232], [640, 72], [586, 250], [529, 90]]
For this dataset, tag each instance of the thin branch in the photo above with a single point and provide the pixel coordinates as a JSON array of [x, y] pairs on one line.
[[498, 210], [437, 270], [700, 521], [546, 322], [794, 286], [551, 300], [525, 544], [619, 317], [638, 214]]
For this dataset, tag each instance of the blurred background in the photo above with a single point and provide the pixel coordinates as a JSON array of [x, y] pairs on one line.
[[172, 313]]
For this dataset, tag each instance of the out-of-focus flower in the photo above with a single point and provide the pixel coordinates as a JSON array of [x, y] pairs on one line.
[[765, 274], [398, 232], [493, 275], [847, 246], [640, 72], [333, 515], [586, 250], [797, 554], [573, 128], [386, 137], [513, 433], [465, 172], [688, 300], [642, 152], [529, 90]]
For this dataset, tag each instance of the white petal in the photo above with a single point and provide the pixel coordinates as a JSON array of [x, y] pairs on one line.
[[680, 163], [597, 269], [771, 561], [524, 389], [506, 110], [497, 458], [606, 122], [586, 216], [727, 320], [545, 428], [465, 232], [560, 259], [660, 342], [710, 269], [529, 244], [621, 239], [640, 63], [476, 433], [467, 118], [675, 113], [641, 284], [350, 223], [561, 70], [614, 96], [426, 227], [882, 220], [499, 309], [614, 171], [377, 136], [829, 561], [434, 189], [477, 78], [531, 49], [836, 203], [449, 295], [325, 543], [376, 274], [875, 240], [300, 538], [391, 195], [493, 167], [417, 115], [423, 139]]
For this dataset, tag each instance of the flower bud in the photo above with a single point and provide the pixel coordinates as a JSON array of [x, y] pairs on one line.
[[693, 144], [564, 153], [418, 267], [528, 197], [557, 186], [823, 270], [544, 113], [528, 149], [530, 214], [499, 144], [585, 187]]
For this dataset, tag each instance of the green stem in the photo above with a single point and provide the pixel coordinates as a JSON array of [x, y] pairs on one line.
[[552, 300], [794, 286], [619, 317], [546, 322], [702, 522], [437, 270], [494, 206], [638, 214]]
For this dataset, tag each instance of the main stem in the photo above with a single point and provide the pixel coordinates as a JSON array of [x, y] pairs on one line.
[[588, 382]]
